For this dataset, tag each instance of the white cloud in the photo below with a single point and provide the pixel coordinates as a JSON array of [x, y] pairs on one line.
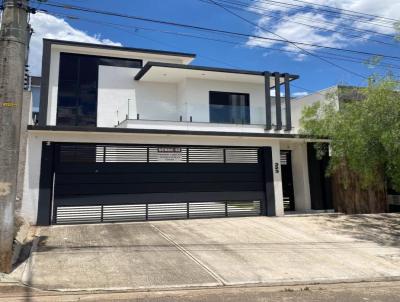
[[294, 24], [299, 94], [48, 26]]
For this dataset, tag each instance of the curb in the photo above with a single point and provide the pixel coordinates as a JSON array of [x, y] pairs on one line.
[[199, 287]]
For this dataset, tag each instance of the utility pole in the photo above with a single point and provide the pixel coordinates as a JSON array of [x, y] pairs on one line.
[[14, 35]]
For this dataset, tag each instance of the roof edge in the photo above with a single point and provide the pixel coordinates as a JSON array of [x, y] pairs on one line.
[[161, 131], [150, 64], [120, 48]]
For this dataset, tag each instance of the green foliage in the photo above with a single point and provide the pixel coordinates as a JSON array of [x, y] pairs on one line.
[[364, 134]]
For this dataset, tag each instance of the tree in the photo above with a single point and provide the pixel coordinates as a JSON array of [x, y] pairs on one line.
[[364, 134]]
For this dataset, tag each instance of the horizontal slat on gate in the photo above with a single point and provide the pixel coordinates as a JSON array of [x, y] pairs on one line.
[[241, 156], [156, 211], [207, 209], [82, 214], [199, 155], [167, 211], [136, 212], [243, 208], [115, 199]]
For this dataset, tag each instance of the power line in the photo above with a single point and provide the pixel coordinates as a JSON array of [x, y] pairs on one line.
[[245, 6], [294, 44], [132, 30], [273, 16], [208, 29], [285, 4], [346, 10], [118, 26], [128, 28]]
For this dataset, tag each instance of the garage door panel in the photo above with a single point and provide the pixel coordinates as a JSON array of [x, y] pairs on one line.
[[157, 168], [127, 178], [166, 187], [97, 176]]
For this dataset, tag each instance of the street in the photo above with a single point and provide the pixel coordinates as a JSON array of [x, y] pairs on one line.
[[345, 292]]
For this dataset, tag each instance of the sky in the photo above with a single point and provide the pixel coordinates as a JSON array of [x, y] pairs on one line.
[[276, 19]]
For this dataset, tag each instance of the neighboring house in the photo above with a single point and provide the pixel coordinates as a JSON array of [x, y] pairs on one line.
[[35, 90], [134, 134], [338, 94]]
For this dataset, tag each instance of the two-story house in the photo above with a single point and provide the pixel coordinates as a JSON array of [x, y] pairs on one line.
[[130, 134]]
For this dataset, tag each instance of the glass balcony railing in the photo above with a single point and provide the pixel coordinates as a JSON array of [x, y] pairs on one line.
[[135, 112]]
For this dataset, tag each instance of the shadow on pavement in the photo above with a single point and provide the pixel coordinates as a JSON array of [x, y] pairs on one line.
[[383, 229]]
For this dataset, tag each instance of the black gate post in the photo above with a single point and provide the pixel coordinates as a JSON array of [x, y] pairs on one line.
[[45, 184], [268, 206]]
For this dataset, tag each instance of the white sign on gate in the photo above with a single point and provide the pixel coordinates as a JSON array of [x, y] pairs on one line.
[[169, 154]]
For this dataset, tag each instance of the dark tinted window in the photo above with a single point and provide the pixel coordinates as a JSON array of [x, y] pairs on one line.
[[77, 90], [77, 87], [68, 67], [120, 62], [228, 107]]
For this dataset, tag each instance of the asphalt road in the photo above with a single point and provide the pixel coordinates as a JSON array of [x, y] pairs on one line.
[[350, 292]]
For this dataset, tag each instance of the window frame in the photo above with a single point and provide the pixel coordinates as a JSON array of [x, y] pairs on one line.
[[247, 120]]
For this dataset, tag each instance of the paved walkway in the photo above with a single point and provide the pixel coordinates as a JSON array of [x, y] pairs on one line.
[[215, 252]]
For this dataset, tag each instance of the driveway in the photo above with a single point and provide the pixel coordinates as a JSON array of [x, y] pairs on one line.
[[216, 252]]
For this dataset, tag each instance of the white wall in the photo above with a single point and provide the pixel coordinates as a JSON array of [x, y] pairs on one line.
[[115, 90], [166, 101], [29, 205], [301, 185], [32, 169], [53, 87], [117, 87]]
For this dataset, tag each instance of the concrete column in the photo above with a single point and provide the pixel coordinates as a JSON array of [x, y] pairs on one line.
[[268, 121], [288, 110], [278, 107], [276, 160], [300, 177]]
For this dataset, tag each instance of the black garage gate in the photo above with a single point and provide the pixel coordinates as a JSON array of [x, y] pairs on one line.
[[89, 183]]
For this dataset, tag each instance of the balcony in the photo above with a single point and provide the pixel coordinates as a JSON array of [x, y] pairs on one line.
[[192, 117]]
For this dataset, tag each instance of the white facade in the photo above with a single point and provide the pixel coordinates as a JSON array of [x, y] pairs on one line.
[[168, 100], [55, 64]]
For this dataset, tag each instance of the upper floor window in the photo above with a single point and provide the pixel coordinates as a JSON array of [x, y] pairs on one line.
[[229, 107]]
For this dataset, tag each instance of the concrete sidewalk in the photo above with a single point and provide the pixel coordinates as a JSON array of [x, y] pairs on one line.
[[349, 292], [215, 252]]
